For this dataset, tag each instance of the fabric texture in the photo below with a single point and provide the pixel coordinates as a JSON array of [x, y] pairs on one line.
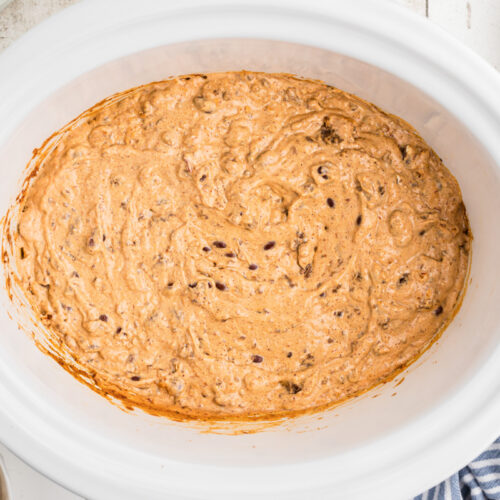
[[480, 480]]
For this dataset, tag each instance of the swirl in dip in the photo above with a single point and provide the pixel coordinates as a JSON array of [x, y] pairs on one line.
[[239, 244]]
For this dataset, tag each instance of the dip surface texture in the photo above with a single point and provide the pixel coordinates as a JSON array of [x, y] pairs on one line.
[[241, 244]]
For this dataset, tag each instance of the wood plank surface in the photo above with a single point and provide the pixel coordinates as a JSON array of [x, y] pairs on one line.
[[418, 6], [474, 22]]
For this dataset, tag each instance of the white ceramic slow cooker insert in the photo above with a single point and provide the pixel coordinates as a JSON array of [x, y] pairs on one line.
[[448, 407]]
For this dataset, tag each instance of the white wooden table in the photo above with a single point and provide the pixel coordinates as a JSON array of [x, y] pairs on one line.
[[474, 22]]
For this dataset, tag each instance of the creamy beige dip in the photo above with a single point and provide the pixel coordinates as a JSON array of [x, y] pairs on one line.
[[241, 244]]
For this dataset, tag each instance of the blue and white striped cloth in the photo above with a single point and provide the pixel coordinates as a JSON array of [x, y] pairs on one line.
[[480, 480]]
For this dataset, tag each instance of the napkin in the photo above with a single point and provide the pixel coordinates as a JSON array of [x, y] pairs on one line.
[[480, 480]]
